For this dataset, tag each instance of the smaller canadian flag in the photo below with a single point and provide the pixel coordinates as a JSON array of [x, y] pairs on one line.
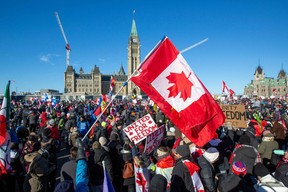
[[226, 89]]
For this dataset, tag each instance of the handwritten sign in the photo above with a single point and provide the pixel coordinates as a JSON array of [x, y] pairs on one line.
[[154, 139], [235, 115], [140, 129]]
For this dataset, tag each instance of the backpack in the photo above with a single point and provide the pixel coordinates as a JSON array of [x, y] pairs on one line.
[[128, 170]]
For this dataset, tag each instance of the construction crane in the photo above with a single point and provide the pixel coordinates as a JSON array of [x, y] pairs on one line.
[[67, 46]]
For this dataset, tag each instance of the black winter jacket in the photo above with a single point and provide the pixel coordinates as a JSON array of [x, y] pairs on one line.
[[207, 174], [281, 172], [181, 179], [96, 174]]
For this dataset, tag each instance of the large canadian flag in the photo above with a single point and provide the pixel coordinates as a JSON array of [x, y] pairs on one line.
[[168, 80]]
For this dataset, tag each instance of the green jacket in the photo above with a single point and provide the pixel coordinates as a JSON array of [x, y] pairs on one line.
[[266, 148]]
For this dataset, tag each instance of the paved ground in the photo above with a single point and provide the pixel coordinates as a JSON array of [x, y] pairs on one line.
[[62, 157]]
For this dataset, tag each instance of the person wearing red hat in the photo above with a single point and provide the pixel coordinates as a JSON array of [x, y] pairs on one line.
[[245, 152], [235, 181]]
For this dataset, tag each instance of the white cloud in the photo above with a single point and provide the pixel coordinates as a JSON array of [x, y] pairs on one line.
[[44, 58], [48, 58], [101, 59]]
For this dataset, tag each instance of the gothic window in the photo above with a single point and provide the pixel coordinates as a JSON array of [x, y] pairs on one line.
[[132, 65]]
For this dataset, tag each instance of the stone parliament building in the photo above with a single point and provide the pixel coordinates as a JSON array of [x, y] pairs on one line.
[[267, 86], [95, 83]]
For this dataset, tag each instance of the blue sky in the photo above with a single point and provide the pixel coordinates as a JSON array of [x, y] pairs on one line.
[[241, 33]]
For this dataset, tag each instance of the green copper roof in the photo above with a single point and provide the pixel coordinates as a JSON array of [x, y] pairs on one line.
[[121, 71], [133, 29]]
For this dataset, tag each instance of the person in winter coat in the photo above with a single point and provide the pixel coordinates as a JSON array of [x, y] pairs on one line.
[[185, 173], [251, 133], [43, 118], [279, 131], [38, 172], [266, 148], [267, 182], [61, 125], [160, 118], [127, 158], [118, 129], [73, 135], [71, 122], [117, 161], [158, 183], [99, 131], [52, 146], [25, 115], [254, 122], [96, 176], [246, 153], [281, 172], [68, 169], [33, 118], [32, 145], [103, 143], [235, 181], [81, 168], [207, 170], [54, 130], [83, 126], [165, 164]]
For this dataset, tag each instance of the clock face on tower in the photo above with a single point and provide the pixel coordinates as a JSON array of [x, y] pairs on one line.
[[134, 40]]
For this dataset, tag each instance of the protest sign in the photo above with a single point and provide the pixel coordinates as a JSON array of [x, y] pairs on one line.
[[140, 129], [235, 115], [154, 139]]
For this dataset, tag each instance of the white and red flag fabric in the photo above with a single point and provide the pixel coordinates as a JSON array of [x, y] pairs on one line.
[[224, 87], [4, 114], [112, 85], [5, 140], [193, 170], [168, 80], [231, 92]]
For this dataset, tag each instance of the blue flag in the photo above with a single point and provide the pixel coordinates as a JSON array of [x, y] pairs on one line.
[[107, 184]]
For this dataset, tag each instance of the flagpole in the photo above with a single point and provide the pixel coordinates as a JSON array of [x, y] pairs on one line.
[[134, 72], [123, 85], [195, 45], [112, 99]]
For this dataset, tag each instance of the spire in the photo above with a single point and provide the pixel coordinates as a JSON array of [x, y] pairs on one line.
[[282, 73], [81, 71], [121, 71], [96, 70], [133, 28]]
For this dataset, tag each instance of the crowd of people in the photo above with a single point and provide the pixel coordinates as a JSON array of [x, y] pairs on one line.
[[252, 158]]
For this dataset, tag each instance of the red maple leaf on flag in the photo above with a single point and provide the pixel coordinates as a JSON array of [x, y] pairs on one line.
[[140, 180], [181, 84]]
